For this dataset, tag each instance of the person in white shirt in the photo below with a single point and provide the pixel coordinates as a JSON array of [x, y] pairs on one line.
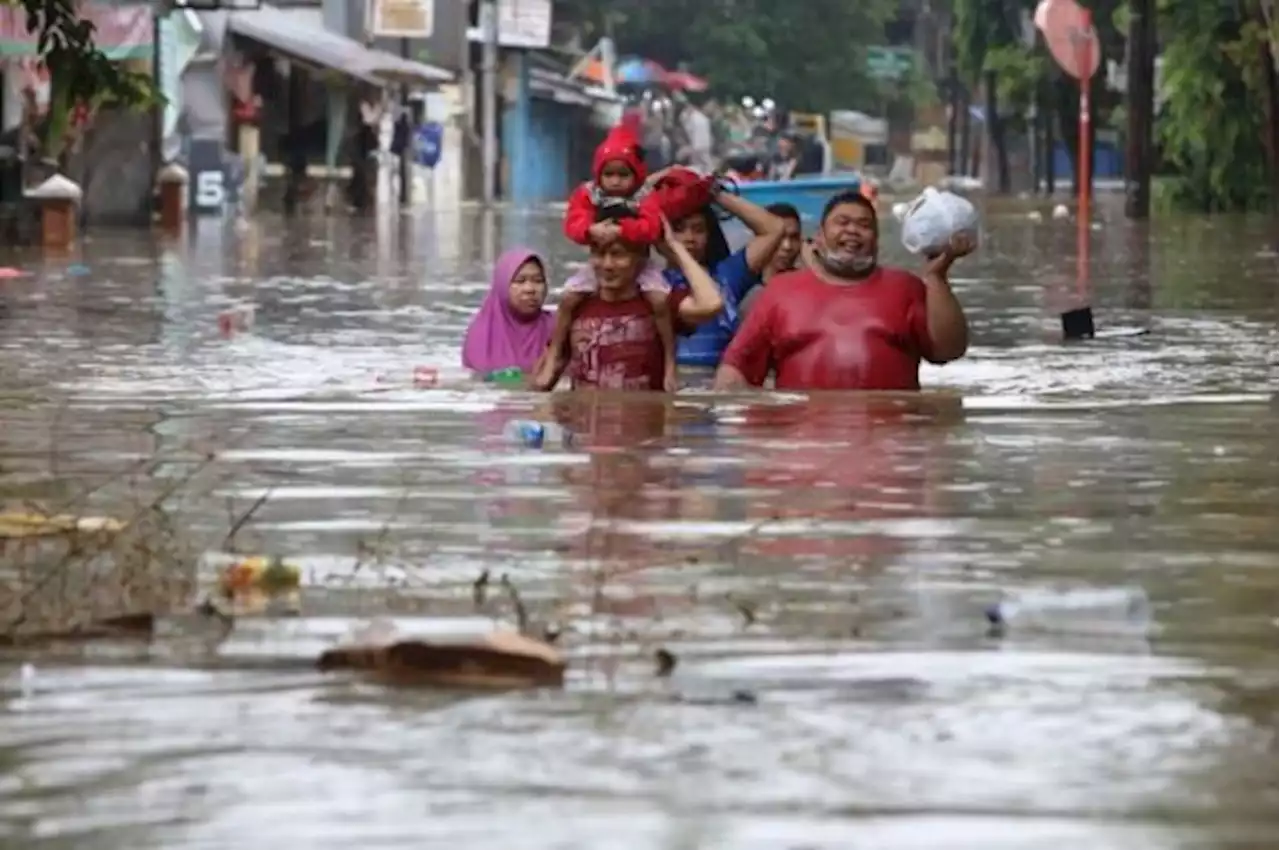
[[697, 152]]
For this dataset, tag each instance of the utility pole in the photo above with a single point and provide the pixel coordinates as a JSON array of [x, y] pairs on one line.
[[1140, 88], [406, 171], [489, 97], [953, 118]]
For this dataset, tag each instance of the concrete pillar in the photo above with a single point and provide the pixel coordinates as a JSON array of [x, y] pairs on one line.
[[517, 129], [172, 180], [59, 201]]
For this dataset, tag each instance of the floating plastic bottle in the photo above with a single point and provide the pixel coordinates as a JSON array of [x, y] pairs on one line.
[[536, 435], [1113, 611], [512, 376], [237, 319]]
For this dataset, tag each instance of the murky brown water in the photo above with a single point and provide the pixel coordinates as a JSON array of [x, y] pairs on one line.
[[866, 536]]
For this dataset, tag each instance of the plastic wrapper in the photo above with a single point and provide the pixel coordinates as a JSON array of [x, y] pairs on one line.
[[932, 220]]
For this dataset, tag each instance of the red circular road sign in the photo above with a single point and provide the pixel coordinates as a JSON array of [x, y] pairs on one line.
[[1068, 30]]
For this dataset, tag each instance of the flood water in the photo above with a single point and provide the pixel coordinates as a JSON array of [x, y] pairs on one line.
[[830, 557]]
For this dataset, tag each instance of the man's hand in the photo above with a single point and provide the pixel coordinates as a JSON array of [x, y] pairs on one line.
[[604, 232], [961, 245]]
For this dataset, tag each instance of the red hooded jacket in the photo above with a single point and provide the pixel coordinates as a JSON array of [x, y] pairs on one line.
[[621, 145], [678, 194]]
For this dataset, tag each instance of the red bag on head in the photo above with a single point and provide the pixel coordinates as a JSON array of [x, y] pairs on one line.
[[682, 192]]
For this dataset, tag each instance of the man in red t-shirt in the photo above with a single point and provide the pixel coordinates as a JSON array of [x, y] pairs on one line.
[[613, 339], [845, 323]]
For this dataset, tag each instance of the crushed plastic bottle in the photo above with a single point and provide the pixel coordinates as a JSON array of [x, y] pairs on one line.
[[536, 435], [511, 377], [238, 319], [1112, 611]]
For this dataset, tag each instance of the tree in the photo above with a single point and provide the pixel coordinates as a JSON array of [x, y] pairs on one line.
[[807, 56], [79, 73], [1217, 126], [985, 36]]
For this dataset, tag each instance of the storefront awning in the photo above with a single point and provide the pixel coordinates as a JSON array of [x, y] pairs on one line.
[[120, 30], [297, 37]]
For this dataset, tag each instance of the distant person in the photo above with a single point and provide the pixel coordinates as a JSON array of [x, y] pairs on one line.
[[784, 258], [653, 136], [846, 323], [511, 329], [698, 152], [785, 160]]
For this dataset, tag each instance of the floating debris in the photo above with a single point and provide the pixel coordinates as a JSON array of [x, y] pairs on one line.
[[261, 585], [237, 319], [270, 574], [479, 589], [497, 661], [141, 626], [41, 525], [426, 377]]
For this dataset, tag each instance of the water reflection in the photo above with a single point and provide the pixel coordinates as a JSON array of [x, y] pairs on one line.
[[832, 555]]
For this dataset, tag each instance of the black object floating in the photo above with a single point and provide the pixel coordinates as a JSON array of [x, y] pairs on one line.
[[1078, 323]]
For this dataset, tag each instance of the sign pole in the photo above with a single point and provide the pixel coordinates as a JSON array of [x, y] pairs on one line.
[[406, 172], [1086, 158], [1078, 323]]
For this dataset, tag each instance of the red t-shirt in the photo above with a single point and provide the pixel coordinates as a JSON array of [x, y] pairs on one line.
[[614, 345], [869, 335]]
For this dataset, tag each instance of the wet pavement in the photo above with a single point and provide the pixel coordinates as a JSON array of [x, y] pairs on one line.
[[830, 557]]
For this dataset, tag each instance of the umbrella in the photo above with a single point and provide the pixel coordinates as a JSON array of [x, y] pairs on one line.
[[1069, 33], [684, 81], [640, 71], [593, 70]]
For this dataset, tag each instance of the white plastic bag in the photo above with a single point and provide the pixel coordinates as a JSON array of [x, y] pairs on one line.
[[934, 218]]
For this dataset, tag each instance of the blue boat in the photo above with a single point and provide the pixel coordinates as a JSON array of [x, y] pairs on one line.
[[806, 194]]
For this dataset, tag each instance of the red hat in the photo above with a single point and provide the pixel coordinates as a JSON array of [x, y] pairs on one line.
[[621, 145]]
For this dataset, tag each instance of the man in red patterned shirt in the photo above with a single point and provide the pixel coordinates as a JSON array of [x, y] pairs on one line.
[[613, 339]]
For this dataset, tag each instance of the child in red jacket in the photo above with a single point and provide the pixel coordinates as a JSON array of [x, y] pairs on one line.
[[619, 171]]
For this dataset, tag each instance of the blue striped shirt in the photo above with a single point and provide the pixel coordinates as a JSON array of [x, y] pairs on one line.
[[705, 345]]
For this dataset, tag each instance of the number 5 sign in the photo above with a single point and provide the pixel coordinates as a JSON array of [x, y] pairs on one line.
[[208, 176]]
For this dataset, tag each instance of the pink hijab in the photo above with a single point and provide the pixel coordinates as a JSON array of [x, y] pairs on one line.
[[499, 337]]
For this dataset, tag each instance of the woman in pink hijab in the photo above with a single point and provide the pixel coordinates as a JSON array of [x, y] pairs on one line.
[[511, 329]]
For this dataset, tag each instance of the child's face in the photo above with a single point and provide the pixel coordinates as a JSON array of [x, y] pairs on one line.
[[617, 179]]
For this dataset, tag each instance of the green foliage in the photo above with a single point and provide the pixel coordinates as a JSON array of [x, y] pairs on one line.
[[809, 56], [78, 71], [987, 30], [1213, 126], [1019, 73]]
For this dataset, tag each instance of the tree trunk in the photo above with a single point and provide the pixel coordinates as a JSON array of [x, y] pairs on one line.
[[1049, 115], [1141, 105], [953, 120], [1267, 59], [995, 133]]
